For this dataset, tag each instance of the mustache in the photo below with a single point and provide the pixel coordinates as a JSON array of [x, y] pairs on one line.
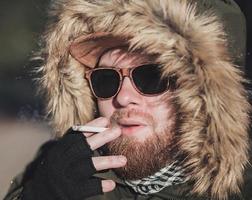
[[131, 113]]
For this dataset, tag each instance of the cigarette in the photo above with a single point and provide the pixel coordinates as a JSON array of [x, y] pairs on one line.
[[89, 129]]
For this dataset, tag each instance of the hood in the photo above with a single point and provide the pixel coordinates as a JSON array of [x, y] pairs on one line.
[[191, 42]]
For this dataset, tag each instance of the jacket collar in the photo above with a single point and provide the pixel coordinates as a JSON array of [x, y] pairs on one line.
[[176, 192]]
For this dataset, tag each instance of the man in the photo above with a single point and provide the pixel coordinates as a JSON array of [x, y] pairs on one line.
[[161, 77]]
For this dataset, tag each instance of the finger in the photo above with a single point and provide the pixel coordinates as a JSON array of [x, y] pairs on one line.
[[97, 140], [108, 185], [98, 122], [109, 162]]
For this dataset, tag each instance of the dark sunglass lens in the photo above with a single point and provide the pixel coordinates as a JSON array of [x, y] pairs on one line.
[[147, 79], [105, 82]]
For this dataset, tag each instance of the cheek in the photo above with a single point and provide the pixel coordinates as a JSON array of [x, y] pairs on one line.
[[163, 114], [105, 108]]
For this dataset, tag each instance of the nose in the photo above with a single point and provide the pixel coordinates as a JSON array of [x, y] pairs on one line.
[[127, 94]]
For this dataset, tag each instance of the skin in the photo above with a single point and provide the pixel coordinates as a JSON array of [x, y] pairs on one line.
[[104, 162], [127, 99]]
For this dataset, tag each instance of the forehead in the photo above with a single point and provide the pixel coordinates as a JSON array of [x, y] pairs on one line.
[[121, 58]]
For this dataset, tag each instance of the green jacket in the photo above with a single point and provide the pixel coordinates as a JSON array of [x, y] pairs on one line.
[[123, 192]]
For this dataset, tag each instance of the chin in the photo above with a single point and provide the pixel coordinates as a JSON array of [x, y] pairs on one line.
[[146, 154]]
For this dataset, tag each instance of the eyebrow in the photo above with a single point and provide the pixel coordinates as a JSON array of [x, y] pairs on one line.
[[131, 63], [131, 66], [135, 59]]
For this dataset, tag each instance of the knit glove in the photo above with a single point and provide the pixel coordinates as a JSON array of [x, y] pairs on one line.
[[63, 171]]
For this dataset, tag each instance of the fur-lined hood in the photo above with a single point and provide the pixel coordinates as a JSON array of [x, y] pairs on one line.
[[191, 44]]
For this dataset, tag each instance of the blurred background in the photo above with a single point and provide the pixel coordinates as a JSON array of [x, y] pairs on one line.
[[21, 23], [22, 125]]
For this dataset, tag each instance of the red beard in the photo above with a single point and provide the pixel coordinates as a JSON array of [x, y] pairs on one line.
[[144, 158]]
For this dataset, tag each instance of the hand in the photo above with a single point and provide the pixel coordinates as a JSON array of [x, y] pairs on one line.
[[96, 140], [65, 167]]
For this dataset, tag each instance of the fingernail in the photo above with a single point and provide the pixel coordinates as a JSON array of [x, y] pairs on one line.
[[122, 159], [115, 129], [104, 119], [108, 185], [112, 183]]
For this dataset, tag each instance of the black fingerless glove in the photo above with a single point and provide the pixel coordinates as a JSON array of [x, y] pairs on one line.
[[63, 171]]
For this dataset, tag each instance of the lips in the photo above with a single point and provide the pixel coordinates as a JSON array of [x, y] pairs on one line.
[[131, 122], [130, 126]]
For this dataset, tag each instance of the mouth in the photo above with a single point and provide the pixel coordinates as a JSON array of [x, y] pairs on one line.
[[130, 127]]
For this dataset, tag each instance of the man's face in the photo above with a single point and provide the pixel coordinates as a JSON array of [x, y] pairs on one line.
[[146, 122]]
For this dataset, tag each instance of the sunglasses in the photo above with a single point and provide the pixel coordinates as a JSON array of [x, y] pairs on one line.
[[147, 79]]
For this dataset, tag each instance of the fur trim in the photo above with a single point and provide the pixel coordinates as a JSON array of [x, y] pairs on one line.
[[212, 105]]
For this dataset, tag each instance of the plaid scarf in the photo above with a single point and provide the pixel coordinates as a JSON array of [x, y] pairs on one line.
[[167, 176]]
